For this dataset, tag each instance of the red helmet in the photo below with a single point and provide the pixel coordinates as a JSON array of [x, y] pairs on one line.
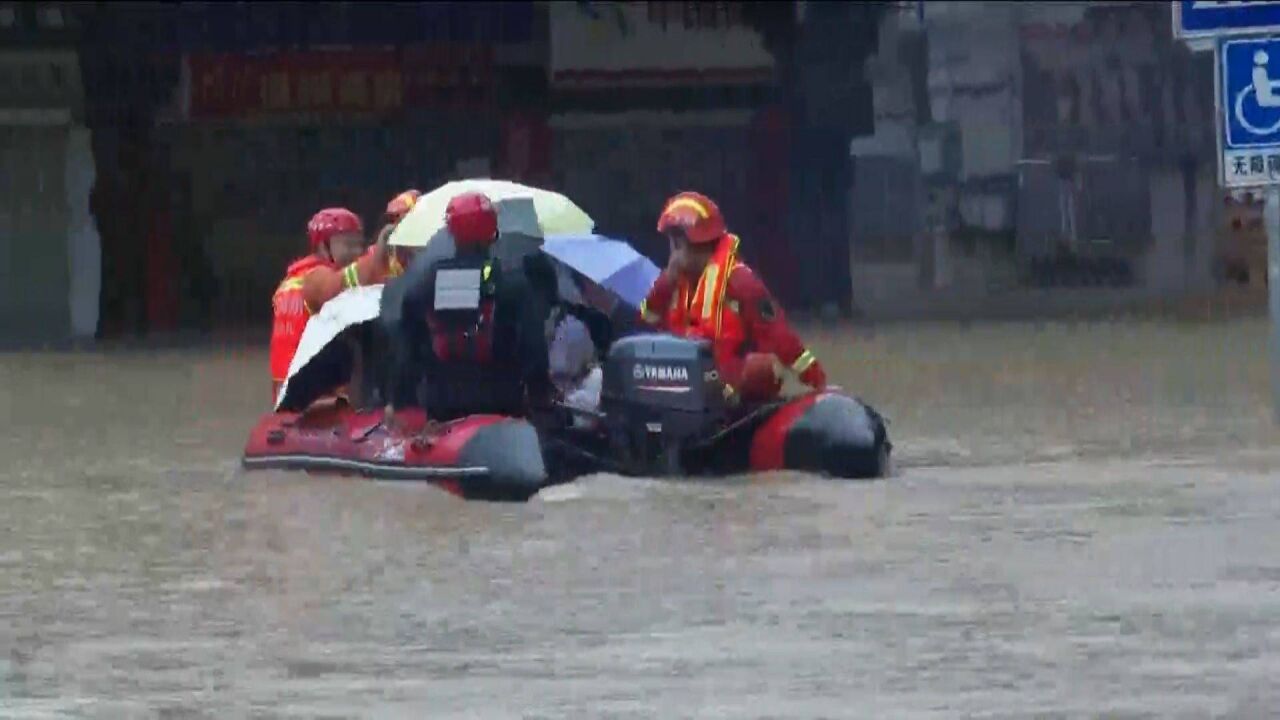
[[401, 204], [696, 215], [471, 220], [329, 222]]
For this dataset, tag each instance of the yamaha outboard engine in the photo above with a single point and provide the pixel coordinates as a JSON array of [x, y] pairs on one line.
[[659, 393]]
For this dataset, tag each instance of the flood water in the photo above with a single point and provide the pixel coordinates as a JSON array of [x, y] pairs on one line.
[[1085, 522]]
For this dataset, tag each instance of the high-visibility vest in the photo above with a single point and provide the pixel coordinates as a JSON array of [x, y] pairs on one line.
[[290, 315], [701, 311]]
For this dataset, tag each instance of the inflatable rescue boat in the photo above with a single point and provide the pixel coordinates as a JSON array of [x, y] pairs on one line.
[[481, 457], [663, 413]]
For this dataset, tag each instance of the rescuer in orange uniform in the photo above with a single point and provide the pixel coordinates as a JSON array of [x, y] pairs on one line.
[[707, 292], [335, 264], [397, 258]]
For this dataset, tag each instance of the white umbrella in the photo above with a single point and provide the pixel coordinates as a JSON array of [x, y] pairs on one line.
[[525, 215], [353, 307]]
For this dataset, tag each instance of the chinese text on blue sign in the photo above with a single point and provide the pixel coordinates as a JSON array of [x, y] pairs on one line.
[[1250, 105]]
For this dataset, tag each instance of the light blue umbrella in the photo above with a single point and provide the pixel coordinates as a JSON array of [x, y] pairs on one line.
[[612, 264]]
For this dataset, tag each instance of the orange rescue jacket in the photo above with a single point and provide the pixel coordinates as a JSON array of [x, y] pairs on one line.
[[730, 307], [308, 284], [290, 314]]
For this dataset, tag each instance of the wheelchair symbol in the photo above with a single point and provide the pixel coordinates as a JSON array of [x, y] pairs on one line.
[[1264, 91]]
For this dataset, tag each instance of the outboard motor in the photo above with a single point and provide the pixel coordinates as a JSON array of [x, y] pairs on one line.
[[659, 393]]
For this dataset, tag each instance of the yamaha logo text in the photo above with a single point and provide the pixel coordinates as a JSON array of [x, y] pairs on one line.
[[661, 373]]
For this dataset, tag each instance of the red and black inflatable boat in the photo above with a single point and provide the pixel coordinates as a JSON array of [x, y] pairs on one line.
[[481, 457], [661, 415]]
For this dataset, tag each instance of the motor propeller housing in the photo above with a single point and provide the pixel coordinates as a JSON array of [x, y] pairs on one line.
[[659, 392]]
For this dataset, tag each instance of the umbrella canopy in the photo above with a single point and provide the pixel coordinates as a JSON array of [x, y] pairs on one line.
[[522, 211], [612, 264], [353, 307]]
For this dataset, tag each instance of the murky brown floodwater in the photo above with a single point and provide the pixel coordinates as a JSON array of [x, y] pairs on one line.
[[1087, 522]]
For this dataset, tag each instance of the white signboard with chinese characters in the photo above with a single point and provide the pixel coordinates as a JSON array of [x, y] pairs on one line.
[[40, 87], [648, 44], [1249, 110], [1246, 168]]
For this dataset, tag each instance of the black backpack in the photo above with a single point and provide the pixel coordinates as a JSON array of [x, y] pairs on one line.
[[462, 308]]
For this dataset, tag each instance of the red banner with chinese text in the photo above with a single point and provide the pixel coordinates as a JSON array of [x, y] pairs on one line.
[[337, 81]]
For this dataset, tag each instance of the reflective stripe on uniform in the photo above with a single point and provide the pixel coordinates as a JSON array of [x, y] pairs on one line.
[[709, 293], [648, 315], [803, 362], [689, 203], [350, 276], [293, 283]]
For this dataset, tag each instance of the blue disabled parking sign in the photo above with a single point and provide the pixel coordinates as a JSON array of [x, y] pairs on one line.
[[1250, 107], [1203, 19], [1248, 97]]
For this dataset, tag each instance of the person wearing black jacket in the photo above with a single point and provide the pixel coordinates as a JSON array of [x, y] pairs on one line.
[[465, 336]]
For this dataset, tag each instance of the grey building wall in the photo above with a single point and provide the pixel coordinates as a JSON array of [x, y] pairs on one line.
[[34, 299], [40, 99], [1125, 113], [1080, 126]]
